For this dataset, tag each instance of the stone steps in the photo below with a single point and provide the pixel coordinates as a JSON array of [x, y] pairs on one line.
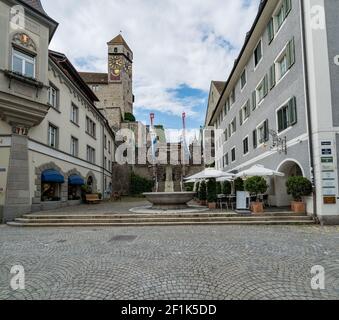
[[158, 220]]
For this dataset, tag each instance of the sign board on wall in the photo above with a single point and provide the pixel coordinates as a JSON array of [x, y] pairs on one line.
[[329, 177]]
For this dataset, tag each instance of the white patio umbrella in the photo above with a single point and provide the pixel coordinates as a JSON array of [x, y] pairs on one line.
[[209, 173], [223, 179], [259, 171]]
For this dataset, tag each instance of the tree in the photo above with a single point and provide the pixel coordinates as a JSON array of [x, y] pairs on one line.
[[239, 184], [219, 188], [299, 187], [129, 117], [211, 191], [256, 185], [202, 191], [227, 188]]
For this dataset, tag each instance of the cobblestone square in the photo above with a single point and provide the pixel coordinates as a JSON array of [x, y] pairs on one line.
[[201, 262]]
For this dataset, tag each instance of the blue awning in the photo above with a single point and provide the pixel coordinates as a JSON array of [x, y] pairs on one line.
[[52, 176], [76, 181]]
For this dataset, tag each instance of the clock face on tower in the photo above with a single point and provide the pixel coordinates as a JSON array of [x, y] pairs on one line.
[[115, 64]]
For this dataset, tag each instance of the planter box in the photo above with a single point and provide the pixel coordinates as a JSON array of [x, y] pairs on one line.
[[257, 207], [298, 207], [212, 205]]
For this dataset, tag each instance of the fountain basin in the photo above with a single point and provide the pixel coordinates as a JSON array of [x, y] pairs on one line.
[[169, 200]]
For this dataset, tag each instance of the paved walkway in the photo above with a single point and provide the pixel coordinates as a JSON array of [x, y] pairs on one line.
[[212, 262]]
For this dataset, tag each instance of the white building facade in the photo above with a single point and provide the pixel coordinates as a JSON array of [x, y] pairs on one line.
[[53, 139], [280, 105]]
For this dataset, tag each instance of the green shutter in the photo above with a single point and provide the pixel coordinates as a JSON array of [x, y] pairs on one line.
[[270, 31], [288, 7], [290, 54], [265, 85], [292, 111], [280, 120], [272, 76], [266, 131], [254, 100], [255, 140]]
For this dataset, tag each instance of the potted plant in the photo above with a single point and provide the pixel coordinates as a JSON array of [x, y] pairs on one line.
[[203, 193], [227, 188], [239, 184], [100, 196], [212, 193], [299, 187], [256, 185]]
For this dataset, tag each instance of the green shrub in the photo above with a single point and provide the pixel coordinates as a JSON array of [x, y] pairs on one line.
[[227, 188], [239, 184], [189, 186], [129, 117], [299, 187], [219, 188], [139, 185], [202, 191], [256, 185], [211, 191]]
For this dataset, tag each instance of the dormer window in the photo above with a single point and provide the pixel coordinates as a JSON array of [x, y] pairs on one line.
[[23, 63]]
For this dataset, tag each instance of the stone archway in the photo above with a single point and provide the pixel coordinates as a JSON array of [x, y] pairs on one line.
[[290, 168], [93, 181], [74, 192], [38, 172]]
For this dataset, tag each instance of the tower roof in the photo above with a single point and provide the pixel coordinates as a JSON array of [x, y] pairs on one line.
[[119, 40]]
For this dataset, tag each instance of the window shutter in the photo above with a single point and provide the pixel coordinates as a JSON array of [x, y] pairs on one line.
[[240, 116], [280, 120], [266, 133], [255, 140], [292, 109], [235, 124], [254, 100], [290, 54], [288, 7], [270, 31], [272, 76], [229, 130], [265, 85], [248, 106]]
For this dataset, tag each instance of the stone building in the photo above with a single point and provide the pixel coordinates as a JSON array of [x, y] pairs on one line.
[[53, 139], [114, 89]]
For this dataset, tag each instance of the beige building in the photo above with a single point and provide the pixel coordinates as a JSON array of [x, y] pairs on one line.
[[53, 139]]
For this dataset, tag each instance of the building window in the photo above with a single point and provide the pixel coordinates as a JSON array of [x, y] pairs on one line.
[[287, 115], [74, 147], [74, 114], [90, 154], [232, 97], [90, 127], [245, 112], [262, 89], [105, 162], [233, 154], [226, 135], [233, 127], [258, 54], [282, 13], [95, 88], [115, 50], [226, 160], [243, 79], [109, 166], [53, 96], [245, 146], [105, 142], [286, 60], [23, 64], [109, 147], [53, 136], [262, 133]]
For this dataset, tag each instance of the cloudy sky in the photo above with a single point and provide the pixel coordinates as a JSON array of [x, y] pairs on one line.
[[179, 47]]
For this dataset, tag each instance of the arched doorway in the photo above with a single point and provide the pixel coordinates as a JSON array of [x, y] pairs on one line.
[[90, 184], [291, 168]]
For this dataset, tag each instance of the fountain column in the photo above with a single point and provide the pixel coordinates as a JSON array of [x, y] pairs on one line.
[[169, 183]]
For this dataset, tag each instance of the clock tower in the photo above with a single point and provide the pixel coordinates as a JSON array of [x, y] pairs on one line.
[[120, 60]]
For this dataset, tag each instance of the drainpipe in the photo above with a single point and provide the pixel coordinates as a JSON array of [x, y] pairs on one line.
[[103, 161], [308, 107]]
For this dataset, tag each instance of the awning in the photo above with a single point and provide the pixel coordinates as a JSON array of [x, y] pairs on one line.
[[52, 176], [76, 181]]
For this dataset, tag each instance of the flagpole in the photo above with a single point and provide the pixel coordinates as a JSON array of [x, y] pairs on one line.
[[183, 151]]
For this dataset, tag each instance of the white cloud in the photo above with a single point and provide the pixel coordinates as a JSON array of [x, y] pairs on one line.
[[175, 42]]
